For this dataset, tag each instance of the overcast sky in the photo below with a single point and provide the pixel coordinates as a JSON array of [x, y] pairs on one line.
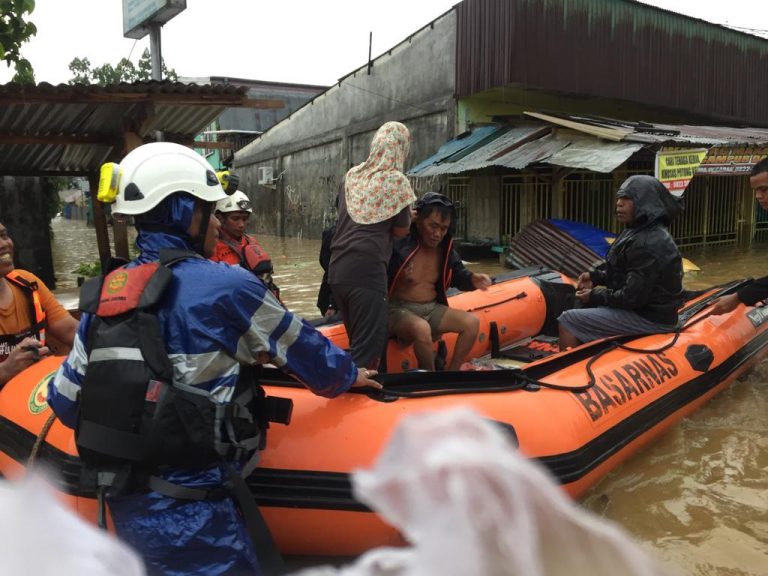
[[302, 41]]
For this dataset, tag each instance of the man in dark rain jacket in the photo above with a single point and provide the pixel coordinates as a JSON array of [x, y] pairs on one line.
[[639, 288]]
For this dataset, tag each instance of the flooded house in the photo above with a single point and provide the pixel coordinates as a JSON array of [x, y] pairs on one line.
[[524, 109]]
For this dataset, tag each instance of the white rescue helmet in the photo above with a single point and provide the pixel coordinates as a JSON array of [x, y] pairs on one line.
[[154, 171], [238, 202]]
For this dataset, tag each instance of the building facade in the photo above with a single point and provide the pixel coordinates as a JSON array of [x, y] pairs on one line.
[[488, 62]]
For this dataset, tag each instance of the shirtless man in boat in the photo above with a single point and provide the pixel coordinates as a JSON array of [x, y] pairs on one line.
[[423, 266], [27, 310]]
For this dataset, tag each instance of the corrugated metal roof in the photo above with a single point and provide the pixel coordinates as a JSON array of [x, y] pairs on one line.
[[484, 154], [64, 129], [595, 155], [547, 243], [615, 49], [532, 152], [652, 133], [520, 146], [451, 148]]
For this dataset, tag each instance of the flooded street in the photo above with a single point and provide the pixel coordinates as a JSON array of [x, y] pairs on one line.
[[697, 499]]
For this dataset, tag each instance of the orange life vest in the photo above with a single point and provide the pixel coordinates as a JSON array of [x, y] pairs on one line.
[[249, 254], [9, 341]]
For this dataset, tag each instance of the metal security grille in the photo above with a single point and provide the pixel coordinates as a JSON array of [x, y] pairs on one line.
[[761, 223], [591, 198], [524, 199], [710, 218], [457, 192]]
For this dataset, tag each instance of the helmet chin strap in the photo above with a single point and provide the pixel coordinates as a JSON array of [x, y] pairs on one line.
[[198, 240]]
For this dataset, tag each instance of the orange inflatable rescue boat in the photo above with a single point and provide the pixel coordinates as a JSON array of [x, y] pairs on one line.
[[579, 413]]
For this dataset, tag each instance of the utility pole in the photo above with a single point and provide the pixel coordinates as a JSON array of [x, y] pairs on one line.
[[156, 58], [155, 50]]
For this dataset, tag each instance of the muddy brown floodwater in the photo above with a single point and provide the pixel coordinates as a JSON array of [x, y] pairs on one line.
[[697, 498]]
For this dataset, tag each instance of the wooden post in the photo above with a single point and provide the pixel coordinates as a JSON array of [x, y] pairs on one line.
[[119, 227], [281, 188], [558, 192], [99, 222]]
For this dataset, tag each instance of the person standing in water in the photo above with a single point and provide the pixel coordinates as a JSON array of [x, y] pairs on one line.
[[374, 209]]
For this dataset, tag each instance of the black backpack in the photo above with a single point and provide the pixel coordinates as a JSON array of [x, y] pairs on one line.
[[134, 421]]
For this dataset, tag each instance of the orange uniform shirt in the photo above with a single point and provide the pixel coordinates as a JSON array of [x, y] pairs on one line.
[[16, 317]]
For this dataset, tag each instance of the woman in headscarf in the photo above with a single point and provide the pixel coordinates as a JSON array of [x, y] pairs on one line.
[[374, 208]]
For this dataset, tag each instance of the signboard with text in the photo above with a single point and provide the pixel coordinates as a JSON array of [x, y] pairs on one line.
[[722, 161], [676, 167], [139, 14]]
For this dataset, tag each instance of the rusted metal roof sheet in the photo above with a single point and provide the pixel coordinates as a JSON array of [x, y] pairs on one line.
[[532, 152], [543, 243], [64, 129], [654, 133], [617, 49], [711, 135]]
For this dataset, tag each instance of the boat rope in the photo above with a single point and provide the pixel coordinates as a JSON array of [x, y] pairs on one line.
[[519, 296], [40, 439], [684, 324]]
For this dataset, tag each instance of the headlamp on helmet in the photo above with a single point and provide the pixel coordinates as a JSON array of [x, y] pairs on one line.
[[229, 181], [238, 202], [109, 180]]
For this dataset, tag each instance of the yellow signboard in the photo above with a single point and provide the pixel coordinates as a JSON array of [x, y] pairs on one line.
[[676, 167]]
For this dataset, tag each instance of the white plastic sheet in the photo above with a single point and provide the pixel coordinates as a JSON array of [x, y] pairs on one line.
[[469, 504], [39, 536]]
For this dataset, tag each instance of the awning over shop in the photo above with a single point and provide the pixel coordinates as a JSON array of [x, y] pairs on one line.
[[652, 133], [590, 143], [517, 147], [594, 155], [453, 149]]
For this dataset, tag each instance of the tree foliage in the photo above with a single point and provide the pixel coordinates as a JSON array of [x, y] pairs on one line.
[[123, 71], [15, 30]]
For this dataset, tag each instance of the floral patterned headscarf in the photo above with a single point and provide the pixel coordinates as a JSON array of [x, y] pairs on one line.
[[377, 189]]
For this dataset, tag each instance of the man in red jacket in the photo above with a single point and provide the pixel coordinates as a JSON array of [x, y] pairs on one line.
[[236, 247]]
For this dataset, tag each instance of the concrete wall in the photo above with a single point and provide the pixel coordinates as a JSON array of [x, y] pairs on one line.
[[310, 185], [313, 148], [24, 211]]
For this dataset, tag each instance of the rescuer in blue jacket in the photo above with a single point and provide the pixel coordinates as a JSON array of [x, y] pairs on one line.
[[213, 319]]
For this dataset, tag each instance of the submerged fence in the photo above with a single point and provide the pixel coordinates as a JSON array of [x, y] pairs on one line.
[[716, 207]]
